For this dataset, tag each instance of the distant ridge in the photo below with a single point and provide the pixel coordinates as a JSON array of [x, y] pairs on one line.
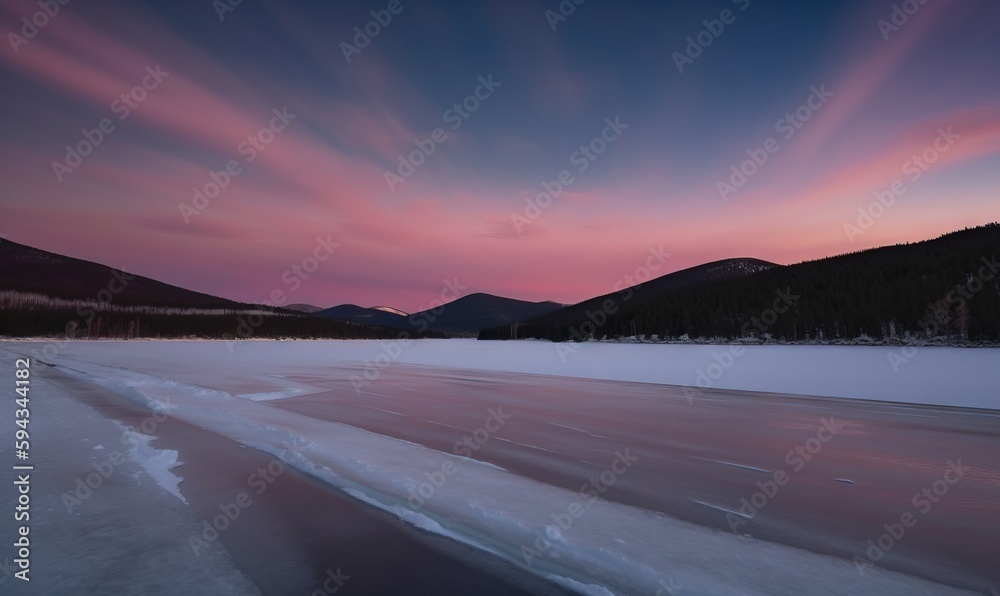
[[466, 315], [945, 289], [366, 316], [472, 313]]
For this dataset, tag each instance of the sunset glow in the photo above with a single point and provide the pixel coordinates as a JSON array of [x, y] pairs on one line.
[[313, 135]]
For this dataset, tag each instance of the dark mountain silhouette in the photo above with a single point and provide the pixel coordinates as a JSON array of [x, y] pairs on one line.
[[947, 288], [470, 314], [466, 315], [723, 270], [44, 294], [362, 315], [27, 269], [726, 269]]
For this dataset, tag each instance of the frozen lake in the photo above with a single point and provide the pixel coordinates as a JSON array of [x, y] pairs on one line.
[[504, 447], [924, 375]]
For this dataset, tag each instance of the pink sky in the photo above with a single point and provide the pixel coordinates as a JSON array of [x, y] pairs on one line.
[[324, 174]]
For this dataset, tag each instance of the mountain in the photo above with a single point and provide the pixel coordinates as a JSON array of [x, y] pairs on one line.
[[44, 294], [27, 269], [392, 310], [366, 316], [472, 313], [946, 288], [716, 271], [726, 269], [466, 315]]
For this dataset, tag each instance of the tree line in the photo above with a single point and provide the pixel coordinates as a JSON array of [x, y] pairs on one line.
[[67, 323], [948, 288]]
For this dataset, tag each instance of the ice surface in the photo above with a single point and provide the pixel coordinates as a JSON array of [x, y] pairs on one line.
[[127, 536], [924, 375], [610, 546]]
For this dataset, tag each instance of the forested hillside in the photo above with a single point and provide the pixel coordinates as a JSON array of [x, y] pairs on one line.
[[948, 287]]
